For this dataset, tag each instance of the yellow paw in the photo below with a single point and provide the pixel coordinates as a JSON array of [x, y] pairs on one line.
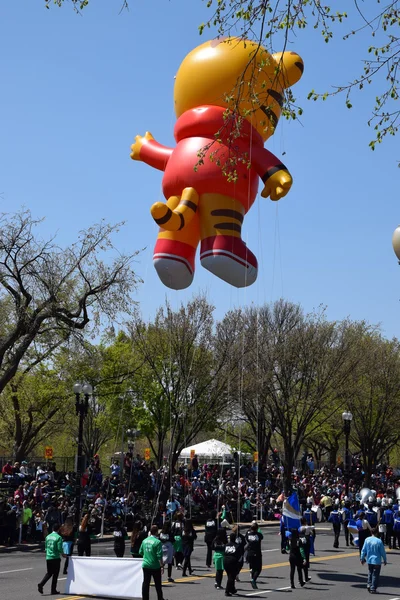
[[278, 185], [139, 141]]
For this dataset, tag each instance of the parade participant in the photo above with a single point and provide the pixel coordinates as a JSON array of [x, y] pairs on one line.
[[219, 549], [177, 531], [326, 506], [137, 537], [364, 530], [167, 541], [347, 514], [374, 554], [210, 532], [84, 541], [119, 539], [254, 557], [396, 529], [231, 562], [151, 550], [188, 537], [388, 520], [309, 515], [67, 531], [307, 536], [371, 515], [297, 556], [54, 551], [240, 541], [335, 519]]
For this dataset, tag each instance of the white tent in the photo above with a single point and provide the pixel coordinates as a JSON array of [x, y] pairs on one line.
[[209, 449]]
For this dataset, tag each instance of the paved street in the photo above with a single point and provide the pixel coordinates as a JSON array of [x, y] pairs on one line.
[[336, 574]]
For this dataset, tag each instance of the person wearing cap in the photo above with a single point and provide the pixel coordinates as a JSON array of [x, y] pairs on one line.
[[254, 557], [54, 551]]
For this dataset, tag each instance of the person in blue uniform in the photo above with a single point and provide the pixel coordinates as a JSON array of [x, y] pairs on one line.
[[335, 519]]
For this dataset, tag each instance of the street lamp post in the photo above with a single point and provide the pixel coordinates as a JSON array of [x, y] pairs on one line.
[[347, 418], [81, 407]]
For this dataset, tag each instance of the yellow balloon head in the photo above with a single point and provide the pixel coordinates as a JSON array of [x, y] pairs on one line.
[[239, 75]]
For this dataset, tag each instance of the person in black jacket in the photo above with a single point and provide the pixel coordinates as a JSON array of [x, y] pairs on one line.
[[188, 537], [119, 539], [254, 556], [240, 541], [84, 542], [297, 556], [231, 560], [137, 536], [211, 529]]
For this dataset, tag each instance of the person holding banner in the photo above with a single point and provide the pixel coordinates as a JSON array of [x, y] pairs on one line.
[[67, 531], [153, 566], [54, 551]]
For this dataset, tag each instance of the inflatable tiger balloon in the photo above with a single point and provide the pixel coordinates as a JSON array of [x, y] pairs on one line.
[[228, 99]]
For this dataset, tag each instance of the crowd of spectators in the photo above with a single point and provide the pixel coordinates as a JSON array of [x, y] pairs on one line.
[[35, 497]]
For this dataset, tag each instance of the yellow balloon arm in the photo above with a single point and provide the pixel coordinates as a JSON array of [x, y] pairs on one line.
[[151, 152], [277, 179]]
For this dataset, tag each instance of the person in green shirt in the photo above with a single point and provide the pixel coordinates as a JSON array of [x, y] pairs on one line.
[[54, 551], [26, 516], [151, 550]]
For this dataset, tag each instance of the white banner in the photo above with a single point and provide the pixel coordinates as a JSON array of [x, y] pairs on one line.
[[104, 576]]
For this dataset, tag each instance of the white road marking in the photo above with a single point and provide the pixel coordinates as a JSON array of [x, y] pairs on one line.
[[272, 550], [16, 570], [268, 591], [61, 579]]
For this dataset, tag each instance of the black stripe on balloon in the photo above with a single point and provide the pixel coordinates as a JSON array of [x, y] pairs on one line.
[[273, 170], [165, 218], [270, 114], [182, 221], [189, 204], [228, 226], [276, 96], [227, 212], [300, 66]]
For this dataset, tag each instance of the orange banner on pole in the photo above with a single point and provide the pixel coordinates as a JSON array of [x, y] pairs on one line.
[[255, 456], [48, 452], [192, 453], [147, 454]]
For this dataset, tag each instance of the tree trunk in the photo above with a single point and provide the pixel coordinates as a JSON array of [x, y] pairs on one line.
[[288, 464]]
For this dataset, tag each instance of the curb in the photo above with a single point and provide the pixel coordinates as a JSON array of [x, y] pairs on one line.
[[106, 539]]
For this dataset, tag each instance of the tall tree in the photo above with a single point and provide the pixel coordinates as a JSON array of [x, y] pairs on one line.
[[300, 362], [48, 294], [182, 386], [373, 398]]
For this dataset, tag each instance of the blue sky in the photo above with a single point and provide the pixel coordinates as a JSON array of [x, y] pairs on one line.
[[77, 89]]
